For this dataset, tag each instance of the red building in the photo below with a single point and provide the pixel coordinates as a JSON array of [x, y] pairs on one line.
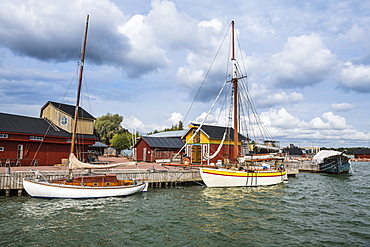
[[151, 149], [363, 153], [38, 141]]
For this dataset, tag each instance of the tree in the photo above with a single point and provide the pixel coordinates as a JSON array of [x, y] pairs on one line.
[[107, 126], [121, 141], [175, 127]]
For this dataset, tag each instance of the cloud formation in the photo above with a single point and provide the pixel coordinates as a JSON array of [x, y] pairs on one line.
[[307, 64], [304, 61]]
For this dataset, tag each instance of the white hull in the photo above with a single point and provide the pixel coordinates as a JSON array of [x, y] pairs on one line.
[[49, 190], [229, 178]]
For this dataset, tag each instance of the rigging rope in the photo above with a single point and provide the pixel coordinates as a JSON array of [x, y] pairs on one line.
[[205, 118]]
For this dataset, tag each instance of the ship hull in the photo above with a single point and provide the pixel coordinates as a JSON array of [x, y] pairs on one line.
[[230, 178], [45, 189]]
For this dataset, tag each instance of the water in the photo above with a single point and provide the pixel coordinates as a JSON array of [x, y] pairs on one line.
[[311, 210]]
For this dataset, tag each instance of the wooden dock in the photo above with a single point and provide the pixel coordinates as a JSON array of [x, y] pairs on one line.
[[11, 181], [295, 167]]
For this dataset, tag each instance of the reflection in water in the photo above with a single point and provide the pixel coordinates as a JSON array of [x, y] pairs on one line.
[[35, 207]]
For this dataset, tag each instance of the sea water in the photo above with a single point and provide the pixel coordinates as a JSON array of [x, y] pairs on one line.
[[310, 210]]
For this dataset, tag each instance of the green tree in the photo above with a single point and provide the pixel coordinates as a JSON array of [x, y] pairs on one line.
[[107, 126], [175, 127], [121, 141]]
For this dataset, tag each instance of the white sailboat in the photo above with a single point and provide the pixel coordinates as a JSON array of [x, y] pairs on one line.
[[249, 170], [78, 187]]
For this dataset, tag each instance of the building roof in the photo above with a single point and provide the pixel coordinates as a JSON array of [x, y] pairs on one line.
[[169, 134], [363, 151], [217, 132], [69, 109], [99, 145], [293, 151], [163, 142], [10, 123]]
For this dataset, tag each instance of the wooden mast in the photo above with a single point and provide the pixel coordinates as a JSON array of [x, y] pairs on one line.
[[235, 94], [79, 87]]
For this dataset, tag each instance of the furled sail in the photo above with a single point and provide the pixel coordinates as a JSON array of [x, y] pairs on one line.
[[218, 149], [74, 163]]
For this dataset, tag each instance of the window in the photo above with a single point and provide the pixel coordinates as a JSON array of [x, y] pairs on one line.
[[64, 120], [1, 149], [36, 138], [3, 135]]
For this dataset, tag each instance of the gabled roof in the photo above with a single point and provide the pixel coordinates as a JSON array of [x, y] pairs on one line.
[[69, 109], [217, 132], [10, 123], [163, 142], [293, 151], [363, 151]]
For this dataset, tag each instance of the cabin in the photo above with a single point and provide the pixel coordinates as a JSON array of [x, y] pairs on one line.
[[203, 146], [42, 141], [363, 153], [158, 149]]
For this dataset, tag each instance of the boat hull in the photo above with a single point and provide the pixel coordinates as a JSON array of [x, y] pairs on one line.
[[45, 189], [230, 178], [330, 161], [335, 167]]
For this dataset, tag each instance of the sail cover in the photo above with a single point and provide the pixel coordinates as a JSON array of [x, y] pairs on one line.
[[74, 163], [323, 154]]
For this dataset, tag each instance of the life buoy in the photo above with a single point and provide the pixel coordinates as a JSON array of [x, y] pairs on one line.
[[186, 161]]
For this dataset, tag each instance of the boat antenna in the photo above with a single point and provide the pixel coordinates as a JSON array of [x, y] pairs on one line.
[[79, 86], [235, 94]]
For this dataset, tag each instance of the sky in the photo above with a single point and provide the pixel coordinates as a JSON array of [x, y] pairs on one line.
[[308, 62]]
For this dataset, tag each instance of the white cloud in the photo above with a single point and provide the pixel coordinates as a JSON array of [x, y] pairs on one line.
[[335, 122], [132, 123], [355, 77], [175, 118], [341, 107], [266, 98], [304, 61], [329, 128], [356, 33], [144, 52], [280, 118]]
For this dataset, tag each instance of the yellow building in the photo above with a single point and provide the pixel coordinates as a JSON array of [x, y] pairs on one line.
[[206, 146]]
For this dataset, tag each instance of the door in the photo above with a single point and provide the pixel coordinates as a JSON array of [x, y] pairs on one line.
[[196, 151], [144, 154], [20, 152]]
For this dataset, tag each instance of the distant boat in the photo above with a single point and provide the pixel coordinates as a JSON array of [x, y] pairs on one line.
[[79, 187], [248, 170], [331, 161]]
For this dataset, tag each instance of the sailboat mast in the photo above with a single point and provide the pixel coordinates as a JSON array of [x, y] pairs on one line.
[[79, 86], [235, 95]]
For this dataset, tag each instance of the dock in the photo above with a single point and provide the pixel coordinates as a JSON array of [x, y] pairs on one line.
[[294, 167], [11, 182], [157, 175]]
